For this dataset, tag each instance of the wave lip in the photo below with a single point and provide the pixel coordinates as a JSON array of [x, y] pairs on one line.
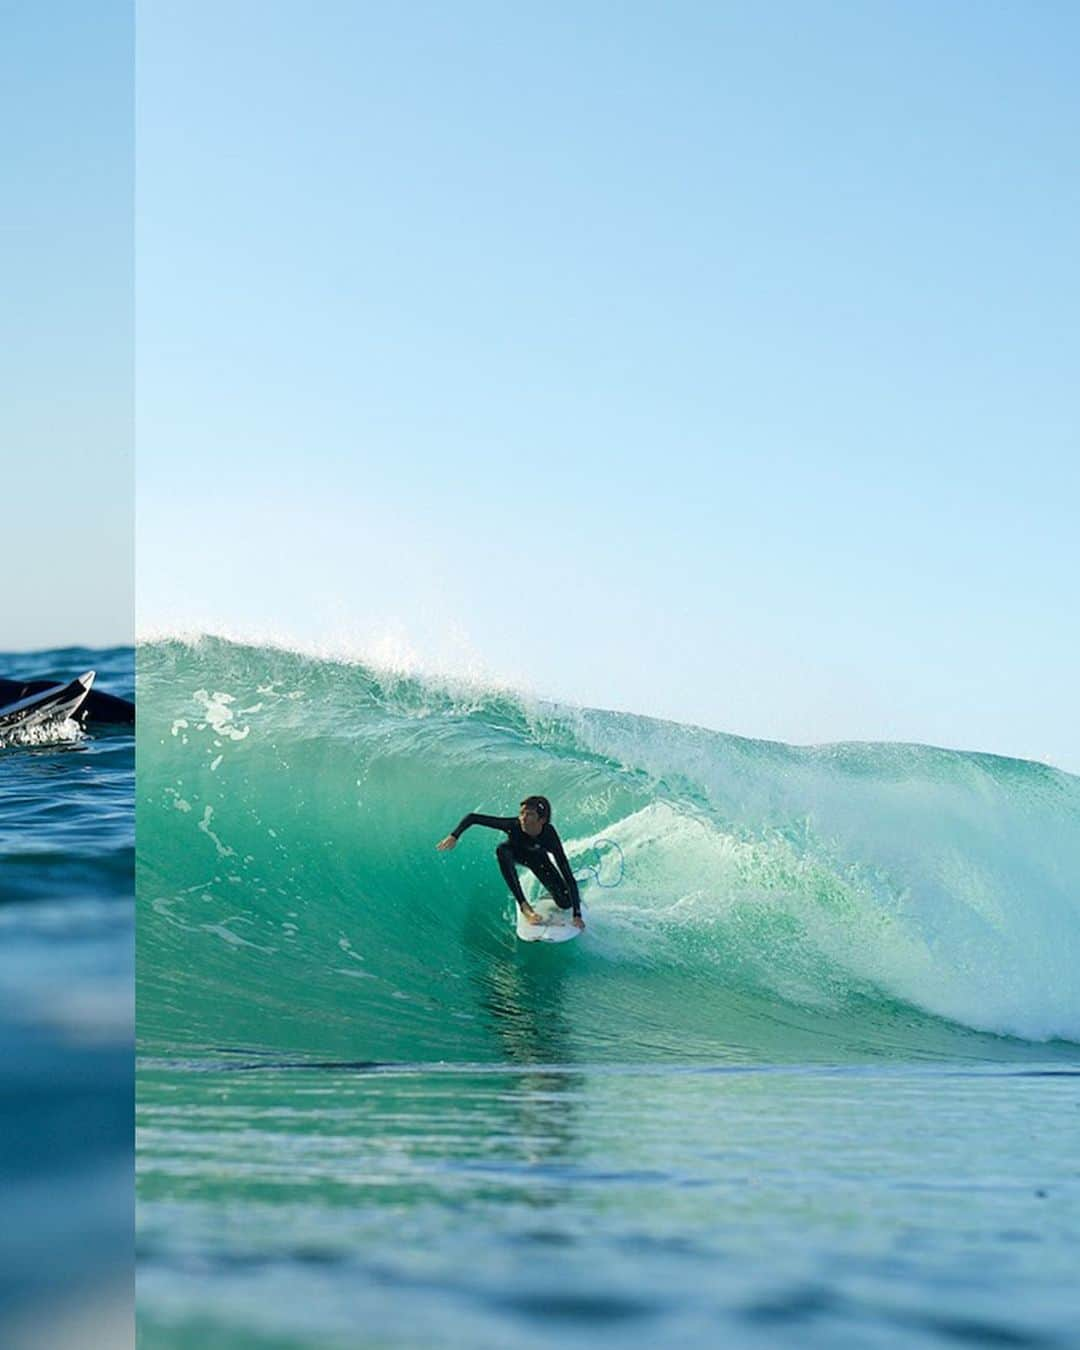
[[777, 900]]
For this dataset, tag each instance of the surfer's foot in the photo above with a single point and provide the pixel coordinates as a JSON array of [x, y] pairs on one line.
[[531, 914]]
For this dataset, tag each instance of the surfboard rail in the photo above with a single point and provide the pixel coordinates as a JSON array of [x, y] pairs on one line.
[[556, 925]]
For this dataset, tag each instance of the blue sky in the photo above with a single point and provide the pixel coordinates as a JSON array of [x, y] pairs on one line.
[[66, 314], [712, 362]]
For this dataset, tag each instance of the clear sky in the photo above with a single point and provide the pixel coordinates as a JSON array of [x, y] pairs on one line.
[[66, 322], [712, 361]]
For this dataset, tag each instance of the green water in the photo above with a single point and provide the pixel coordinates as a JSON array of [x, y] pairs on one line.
[[642, 1206], [809, 1077]]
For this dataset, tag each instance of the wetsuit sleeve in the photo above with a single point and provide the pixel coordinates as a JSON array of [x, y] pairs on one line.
[[492, 822], [559, 854]]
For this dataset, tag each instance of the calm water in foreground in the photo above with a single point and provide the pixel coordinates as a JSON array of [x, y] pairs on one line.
[[333, 1206]]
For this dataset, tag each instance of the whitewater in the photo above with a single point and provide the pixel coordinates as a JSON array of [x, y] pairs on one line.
[[817, 973]]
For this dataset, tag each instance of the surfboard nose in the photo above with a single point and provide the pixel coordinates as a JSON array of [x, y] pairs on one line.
[[88, 679]]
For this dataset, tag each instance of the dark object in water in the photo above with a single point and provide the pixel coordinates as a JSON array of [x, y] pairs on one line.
[[56, 704], [97, 707]]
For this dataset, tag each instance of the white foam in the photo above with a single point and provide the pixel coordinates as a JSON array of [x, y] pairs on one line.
[[45, 733], [947, 937]]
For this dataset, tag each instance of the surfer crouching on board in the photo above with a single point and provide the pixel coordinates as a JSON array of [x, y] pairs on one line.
[[532, 843]]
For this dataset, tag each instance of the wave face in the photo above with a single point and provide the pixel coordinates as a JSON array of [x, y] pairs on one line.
[[778, 903]]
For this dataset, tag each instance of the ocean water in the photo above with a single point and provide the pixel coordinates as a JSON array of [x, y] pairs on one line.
[[66, 1017], [810, 1077]]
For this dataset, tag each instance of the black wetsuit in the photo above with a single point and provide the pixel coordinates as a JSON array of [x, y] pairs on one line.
[[522, 849]]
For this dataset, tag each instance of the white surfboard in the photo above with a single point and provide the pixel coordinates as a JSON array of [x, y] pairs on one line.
[[556, 924]]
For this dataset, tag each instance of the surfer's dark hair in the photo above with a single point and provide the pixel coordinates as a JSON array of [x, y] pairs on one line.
[[540, 805]]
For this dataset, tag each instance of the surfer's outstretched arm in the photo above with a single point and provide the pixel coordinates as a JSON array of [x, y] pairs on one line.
[[503, 823]]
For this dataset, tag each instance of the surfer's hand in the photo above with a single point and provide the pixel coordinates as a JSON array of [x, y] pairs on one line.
[[445, 845], [578, 921]]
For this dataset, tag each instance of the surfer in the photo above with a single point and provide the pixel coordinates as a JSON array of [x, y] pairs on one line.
[[532, 843]]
